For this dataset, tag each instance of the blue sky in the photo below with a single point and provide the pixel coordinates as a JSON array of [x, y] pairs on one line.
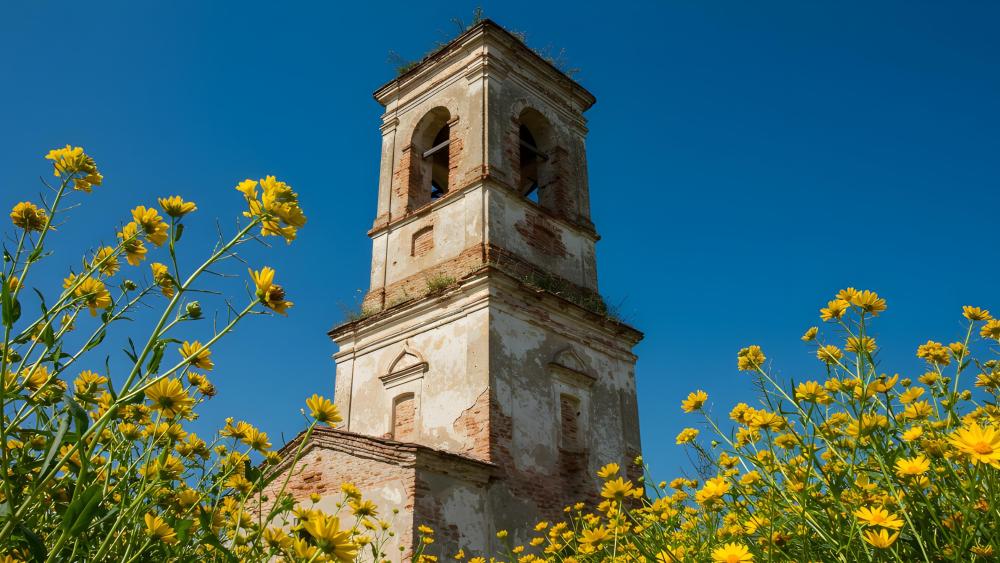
[[747, 160]]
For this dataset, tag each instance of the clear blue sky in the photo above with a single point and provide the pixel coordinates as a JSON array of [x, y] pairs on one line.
[[747, 160]]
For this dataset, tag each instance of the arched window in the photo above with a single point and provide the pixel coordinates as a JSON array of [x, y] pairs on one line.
[[404, 418], [439, 162], [536, 176], [530, 158], [429, 159]]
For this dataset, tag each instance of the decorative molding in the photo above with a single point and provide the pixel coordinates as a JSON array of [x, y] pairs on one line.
[[569, 368], [409, 365]]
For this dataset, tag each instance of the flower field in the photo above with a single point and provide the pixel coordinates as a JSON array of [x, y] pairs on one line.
[[860, 464]]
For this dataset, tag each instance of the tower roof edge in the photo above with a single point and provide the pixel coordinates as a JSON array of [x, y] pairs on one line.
[[485, 28]]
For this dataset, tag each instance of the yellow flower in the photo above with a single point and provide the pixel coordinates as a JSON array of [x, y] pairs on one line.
[[157, 529], [810, 334], [257, 440], [88, 382], [732, 553], [609, 470], [878, 516], [991, 329], [152, 224], [248, 188], [750, 358], [161, 277], [27, 216], [834, 309], [912, 467], [911, 394], [856, 345], [105, 261], [350, 490], [713, 490], [35, 378], [135, 250], [323, 410], [594, 536], [72, 160], [169, 397], [270, 294], [980, 443], [617, 489], [94, 294], [502, 534], [199, 356], [363, 508], [829, 354], [869, 301], [975, 313], [913, 433], [848, 294], [934, 353], [278, 208], [880, 538], [694, 401], [812, 392], [176, 207], [277, 538], [687, 435]]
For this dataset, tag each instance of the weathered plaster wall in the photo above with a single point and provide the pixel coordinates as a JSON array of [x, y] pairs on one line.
[[449, 337], [537, 353]]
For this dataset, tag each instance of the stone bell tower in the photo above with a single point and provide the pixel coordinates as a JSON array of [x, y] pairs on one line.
[[484, 382]]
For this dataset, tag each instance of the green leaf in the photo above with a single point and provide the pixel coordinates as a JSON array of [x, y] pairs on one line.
[[80, 415], [178, 231], [92, 500], [132, 354], [35, 254], [56, 442], [7, 302], [154, 361], [213, 540], [35, 544], [182, 527], [96, 341]]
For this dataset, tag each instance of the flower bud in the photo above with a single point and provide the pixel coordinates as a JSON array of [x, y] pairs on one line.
[[129, 285], [194, 310]]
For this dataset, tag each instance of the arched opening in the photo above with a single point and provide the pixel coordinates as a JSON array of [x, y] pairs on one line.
[[530, 157], [430, 158], [535, 141], [440, 162], [404, 418]]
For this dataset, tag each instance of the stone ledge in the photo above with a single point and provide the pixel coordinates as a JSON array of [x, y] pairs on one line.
[[404, 454]]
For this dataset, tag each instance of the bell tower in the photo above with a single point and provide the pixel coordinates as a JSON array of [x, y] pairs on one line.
[[484, 382]]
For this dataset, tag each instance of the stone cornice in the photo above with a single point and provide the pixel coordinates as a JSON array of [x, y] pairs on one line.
[[404, 454], [486, 180], [484, 33]]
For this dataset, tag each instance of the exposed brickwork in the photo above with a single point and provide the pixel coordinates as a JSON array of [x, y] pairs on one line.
[[423, 241], [558, 197], [569, 421], [333, 457], [403, 418], [549, 492], [541, 235], [405, 179], [455, 143], [415, 286], [474, 423], [469, 261]]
